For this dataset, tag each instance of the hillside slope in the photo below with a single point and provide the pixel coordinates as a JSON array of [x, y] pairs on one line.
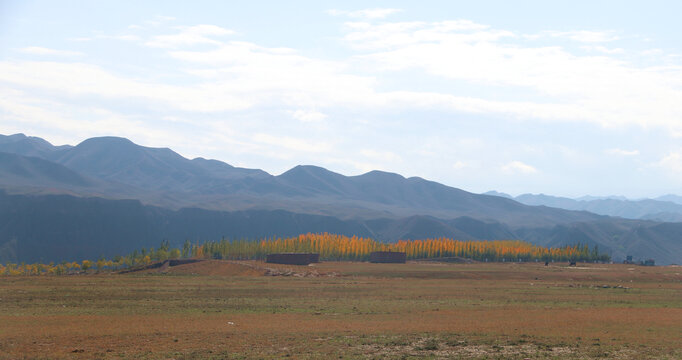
[[63, 227]]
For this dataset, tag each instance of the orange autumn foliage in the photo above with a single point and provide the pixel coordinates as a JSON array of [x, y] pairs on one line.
[[341, 247]]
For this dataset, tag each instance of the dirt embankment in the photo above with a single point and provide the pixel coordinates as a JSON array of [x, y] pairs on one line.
[[227, 268], [197, 267], [214, 268]]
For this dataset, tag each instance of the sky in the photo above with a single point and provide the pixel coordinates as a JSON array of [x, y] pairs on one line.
[[565, 98]]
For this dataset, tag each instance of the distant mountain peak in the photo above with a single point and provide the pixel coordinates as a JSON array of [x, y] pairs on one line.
[[497, 193], [671, 198], [107, 140], [379, 174], [210, 161], [307, 170], [15, 137], [609, 197], [313, 168], [26, 145]]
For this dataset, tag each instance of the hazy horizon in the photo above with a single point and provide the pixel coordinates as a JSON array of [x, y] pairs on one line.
[[567, 99]]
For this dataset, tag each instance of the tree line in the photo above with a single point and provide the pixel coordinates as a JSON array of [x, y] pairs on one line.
[[331, 247]]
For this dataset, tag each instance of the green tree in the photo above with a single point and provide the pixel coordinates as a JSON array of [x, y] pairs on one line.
[[186, 249]]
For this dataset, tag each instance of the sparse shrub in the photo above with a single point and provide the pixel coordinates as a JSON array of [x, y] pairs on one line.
[[86, 264], [430, 345]]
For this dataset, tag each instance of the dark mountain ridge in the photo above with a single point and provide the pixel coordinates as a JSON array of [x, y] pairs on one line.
[[67, 228], [27, 145], [121, 160], [64, 227], [34, 171], [162, 177]]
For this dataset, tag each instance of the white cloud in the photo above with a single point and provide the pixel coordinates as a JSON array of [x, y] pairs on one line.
[[159, 20], [383, 156], [81, 39], [375, 37], [190, 35], [121, 37], [165, 18], [598, 89], [278, 76], [238, 76], [37, 50], [79, 79], [622, 152], [652, 52], [292, 143], [74, 123], [586, 36], [376, 13], [308, 115], [518, 167], [604, 50], [672, 162], [124, 37], [459, 165]]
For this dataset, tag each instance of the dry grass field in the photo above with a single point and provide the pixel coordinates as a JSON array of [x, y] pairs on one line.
[[243, 310]]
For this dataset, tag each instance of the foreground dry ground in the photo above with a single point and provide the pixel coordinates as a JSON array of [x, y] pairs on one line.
[[219, 309]]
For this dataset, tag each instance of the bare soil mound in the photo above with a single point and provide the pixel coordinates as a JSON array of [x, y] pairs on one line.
[[215, 268], [200, 267]]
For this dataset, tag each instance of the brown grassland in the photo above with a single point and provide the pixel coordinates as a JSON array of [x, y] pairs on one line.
[[228, 309]]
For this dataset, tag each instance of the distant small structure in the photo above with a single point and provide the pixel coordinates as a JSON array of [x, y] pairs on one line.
[[648, 262], [293, 258], [385, 257], [628, 260]]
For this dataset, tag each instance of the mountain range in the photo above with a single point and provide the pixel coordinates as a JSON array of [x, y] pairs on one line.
[[109, 196], [667, 208]]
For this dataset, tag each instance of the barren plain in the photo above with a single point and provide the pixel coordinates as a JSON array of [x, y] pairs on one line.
[[240, 310]]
